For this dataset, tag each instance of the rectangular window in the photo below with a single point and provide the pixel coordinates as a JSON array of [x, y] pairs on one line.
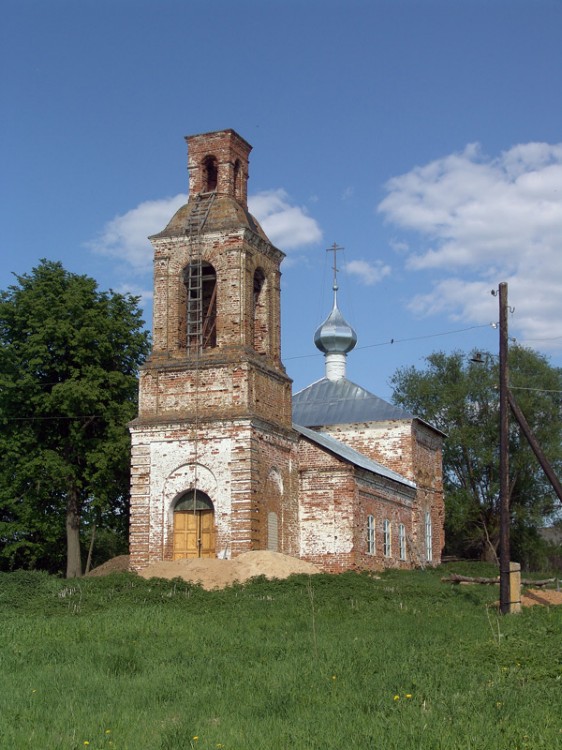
[[371, 535], [387, 538], [402, 541], [428, 538]]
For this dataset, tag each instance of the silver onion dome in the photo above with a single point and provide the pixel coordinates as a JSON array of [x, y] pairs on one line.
[[335, 335]]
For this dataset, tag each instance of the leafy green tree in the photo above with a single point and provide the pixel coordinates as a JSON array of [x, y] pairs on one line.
[[69, 356], [461, 398]]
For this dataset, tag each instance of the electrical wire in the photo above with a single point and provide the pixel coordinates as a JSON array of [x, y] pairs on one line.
[[396, 341]]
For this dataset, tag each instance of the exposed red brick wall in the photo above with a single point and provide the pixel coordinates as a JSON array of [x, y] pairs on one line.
[[413, 450], [228, 148], [389, 443], [335, 499]]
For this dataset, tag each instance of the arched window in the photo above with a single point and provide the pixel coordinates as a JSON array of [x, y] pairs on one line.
[[260, 317], [210, 174], [387, 538], [200, 280], [194, 526], [236, 180], [371, 549], [193, 500]]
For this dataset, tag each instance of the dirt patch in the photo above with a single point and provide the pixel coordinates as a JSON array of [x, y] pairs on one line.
[[212, 573], [541, 597]]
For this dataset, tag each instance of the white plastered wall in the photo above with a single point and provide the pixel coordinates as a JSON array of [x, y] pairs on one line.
[[174, 470]]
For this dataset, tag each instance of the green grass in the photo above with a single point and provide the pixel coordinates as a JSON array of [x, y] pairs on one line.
[[401, 662]]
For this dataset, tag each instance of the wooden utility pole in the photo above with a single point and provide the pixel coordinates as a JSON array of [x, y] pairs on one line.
[[504, 456]]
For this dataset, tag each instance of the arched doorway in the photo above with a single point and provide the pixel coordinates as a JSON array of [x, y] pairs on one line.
[[194, 526]]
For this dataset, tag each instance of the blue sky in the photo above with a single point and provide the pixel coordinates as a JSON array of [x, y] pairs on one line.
[[425, 137]]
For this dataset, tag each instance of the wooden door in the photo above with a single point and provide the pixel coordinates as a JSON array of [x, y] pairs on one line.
[[206, 533], [194, 534]]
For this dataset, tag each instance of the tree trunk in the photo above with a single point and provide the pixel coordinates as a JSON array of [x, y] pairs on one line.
[[490, 551], [73, 559]]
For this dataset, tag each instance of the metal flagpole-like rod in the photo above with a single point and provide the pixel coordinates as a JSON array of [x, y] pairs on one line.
[[504, 455]]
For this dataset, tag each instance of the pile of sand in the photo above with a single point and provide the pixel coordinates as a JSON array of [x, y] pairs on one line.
[[118, 564], [214, 574]]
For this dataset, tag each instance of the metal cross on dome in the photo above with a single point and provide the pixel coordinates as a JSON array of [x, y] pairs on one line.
[[335, 248]]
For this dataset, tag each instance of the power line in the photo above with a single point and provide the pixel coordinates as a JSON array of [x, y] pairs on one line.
[[398, 341]]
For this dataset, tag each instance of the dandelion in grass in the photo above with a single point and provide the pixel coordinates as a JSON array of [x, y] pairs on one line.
[[396, 697], [408, 695]]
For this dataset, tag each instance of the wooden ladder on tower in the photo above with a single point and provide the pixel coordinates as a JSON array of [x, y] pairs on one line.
[[197, 328]]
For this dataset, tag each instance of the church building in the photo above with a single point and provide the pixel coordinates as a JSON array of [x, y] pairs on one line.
[[224, 459]]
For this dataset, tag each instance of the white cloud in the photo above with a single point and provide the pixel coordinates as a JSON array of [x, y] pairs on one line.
[[287, 226], [480, 221], [369, 273], [126, 236]]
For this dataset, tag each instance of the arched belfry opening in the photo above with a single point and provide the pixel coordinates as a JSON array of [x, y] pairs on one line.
[[237, 180], [210, 174], [194, 526], [200, 280], [260, 317]]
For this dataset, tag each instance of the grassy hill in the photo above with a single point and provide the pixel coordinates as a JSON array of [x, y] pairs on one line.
[[399, 662]]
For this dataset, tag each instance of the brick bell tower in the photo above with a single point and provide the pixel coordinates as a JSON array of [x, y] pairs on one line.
[[213, 450]]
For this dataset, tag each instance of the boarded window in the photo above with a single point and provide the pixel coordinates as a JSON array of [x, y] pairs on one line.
[[402, 541], [272, 532], [428, 538]]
